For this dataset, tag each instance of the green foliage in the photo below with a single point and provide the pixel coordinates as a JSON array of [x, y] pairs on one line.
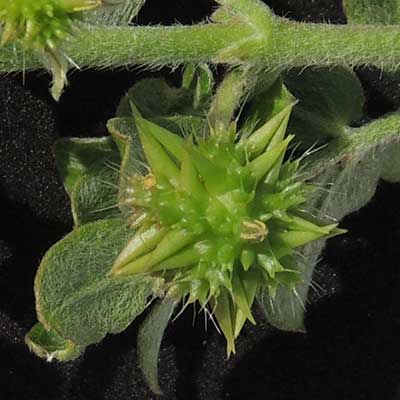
[[149, 341], [49, 345], [118, 12], [391, 163], [184, 204], [329, 100], [89, 169], [156, 98], [75, 297], [377, 12]]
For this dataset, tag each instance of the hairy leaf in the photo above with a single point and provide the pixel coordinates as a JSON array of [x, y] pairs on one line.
[[49, 345], [154, 97], [95, 197], [391, 164], [379, 12], [114, 12], [149, 341], [89, 170], [329, 101], [74, 295], [76, 157]]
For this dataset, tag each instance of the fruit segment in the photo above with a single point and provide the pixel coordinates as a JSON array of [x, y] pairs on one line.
[[220, 225]]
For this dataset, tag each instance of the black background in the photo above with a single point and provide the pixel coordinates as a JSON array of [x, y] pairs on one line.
[[351, 348]]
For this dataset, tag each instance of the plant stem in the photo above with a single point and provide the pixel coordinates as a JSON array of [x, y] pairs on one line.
[[113, 47], [290, 44], [300, 44], [383, 132]]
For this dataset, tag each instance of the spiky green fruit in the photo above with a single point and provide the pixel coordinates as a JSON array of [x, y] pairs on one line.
[[220, 217], [42, 26]]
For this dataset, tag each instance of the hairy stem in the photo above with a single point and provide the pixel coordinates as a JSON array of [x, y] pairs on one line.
[[382, 132], [300, 44], [289, 44]]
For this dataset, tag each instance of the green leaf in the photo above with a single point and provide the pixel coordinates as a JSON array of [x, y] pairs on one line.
[[76, 157], [96, 196], [154, 97], [115, 12], [329, 101], [89, 170], [49, 345], [372, 12], [149, 341], [391, 163], [74, 294]]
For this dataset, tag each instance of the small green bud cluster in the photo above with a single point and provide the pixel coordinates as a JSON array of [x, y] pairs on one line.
[[42, 26], [219, 218]]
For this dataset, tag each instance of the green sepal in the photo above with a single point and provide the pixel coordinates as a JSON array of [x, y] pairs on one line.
[[300, 224], [214, 175], [247, 258], [201, 80], [172, 242], [251, 283], [190, 178], [243, 299], [183, 258], [158, 159], [169, 140], [269, 99], [49, 345], [297, 238], [261, 165], [261, 138], [142, 242], [269, 262], [224, 313]]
